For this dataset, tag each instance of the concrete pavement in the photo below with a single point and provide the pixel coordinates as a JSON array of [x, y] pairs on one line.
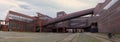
[[48, 37]]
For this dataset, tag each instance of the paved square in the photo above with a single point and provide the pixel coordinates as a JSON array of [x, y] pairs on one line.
[[46, 37]]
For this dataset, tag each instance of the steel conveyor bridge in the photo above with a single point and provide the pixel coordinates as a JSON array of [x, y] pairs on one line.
[[70, 16]]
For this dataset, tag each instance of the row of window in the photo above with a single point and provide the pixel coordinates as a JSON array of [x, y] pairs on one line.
[[20, 18], [14, 25]]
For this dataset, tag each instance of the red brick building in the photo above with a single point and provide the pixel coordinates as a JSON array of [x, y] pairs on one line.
[[20, 22], [109, 16]]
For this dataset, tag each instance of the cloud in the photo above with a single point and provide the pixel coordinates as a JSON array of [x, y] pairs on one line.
[[70, 3], [47, 7], [14, 5], [5, 5], [65, 5]]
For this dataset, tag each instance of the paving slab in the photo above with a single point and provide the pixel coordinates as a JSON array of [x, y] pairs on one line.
[[47, 37]]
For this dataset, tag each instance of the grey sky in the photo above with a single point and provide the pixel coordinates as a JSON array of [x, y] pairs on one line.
[[47, 7]]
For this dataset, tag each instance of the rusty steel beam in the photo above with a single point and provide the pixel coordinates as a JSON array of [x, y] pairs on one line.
[[70, 16]]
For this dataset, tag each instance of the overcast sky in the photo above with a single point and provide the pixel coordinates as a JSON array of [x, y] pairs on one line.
[[47, 7]]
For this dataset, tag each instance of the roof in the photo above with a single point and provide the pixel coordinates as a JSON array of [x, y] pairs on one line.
[[20, 14], [4, 14]]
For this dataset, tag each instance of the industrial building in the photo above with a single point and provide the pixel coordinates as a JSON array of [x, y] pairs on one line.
[[62, 26], [19, 22], [73, 25], [104, 17], [109, 16]]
